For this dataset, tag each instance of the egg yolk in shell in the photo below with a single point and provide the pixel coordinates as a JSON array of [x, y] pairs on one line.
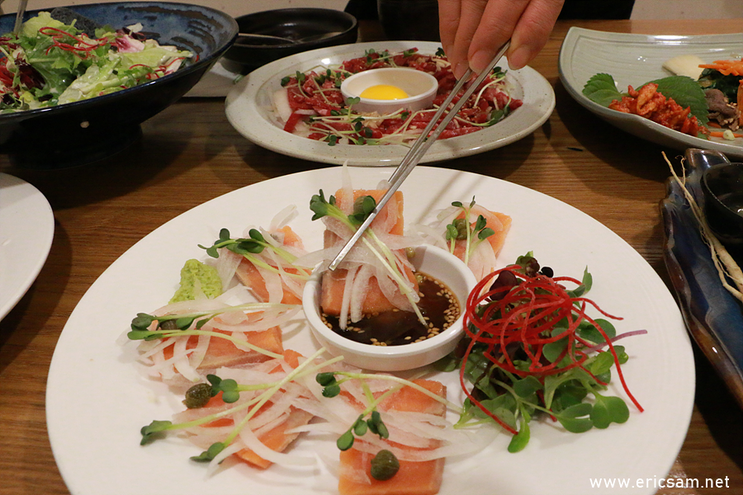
[[383, 92]]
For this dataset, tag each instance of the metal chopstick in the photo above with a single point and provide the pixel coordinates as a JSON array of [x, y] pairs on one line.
[[419, 148], [19, 16]]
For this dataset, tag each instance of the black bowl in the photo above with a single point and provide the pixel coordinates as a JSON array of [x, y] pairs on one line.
[[89, 130], [303, 29], [722, 186]]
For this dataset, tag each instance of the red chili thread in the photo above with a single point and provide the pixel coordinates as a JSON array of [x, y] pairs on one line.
[[83, 47]]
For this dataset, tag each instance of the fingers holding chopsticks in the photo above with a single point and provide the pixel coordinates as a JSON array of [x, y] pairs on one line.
[[473, 30]]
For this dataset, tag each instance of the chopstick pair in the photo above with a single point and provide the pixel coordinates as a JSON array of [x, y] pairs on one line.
[[419, 148]]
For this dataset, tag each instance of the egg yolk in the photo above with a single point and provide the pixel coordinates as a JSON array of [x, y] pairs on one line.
[[383, 92]]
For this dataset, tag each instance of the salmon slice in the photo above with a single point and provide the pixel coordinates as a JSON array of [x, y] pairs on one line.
[[396, 200], [278, 438], [334, 283], [290, 237], [413, 478], [250, 277], [222, 352], [500, 224]]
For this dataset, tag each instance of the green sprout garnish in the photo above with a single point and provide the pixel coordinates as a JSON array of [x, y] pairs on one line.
[[154, 431], [462, 230], [255, 243], [209, 454]]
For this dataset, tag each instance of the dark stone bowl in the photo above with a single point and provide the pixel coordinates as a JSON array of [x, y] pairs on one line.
[[90, 130], [302, 28], [722, 185]]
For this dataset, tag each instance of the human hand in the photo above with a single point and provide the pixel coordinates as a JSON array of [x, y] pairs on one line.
[[472, 31]]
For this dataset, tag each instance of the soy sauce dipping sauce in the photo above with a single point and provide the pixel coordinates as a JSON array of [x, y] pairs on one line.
[[439, 307]]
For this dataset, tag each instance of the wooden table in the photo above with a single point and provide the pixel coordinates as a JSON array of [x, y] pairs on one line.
[[190, 154]]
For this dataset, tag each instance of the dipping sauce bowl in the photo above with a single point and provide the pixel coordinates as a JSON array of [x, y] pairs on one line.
[[433, 261], [417, 88], [723, 190]]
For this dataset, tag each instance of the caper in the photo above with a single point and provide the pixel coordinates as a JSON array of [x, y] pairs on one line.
[[384, 465], [169, 325], [198, 395], [461, 225]]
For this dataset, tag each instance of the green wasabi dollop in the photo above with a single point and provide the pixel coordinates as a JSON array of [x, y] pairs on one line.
[[198, 279]]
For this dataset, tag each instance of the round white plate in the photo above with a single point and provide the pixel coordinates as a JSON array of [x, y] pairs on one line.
[[634, 59], [248, 107], [97, 398], [26, 233]]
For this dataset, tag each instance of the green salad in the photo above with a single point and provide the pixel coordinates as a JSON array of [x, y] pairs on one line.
[[52, 63]]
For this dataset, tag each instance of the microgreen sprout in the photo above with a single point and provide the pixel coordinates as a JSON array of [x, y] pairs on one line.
[[515, 400], [255, 243], [210, 453], [370, 418], [363, 207], [461, 229], [229, 388]]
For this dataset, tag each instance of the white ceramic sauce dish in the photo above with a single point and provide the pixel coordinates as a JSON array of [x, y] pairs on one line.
[[420, 87], [431, 260]]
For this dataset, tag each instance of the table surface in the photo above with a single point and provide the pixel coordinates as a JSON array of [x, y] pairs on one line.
[[190, 153]]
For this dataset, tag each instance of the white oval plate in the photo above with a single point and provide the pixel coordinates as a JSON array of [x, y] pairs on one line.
[[98, 399], [634, 59], [248, 108], [26, 234]]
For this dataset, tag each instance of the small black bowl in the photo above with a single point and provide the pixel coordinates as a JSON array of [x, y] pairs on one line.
[[91, 130], [303, 29], [722, 186], [395, 16]]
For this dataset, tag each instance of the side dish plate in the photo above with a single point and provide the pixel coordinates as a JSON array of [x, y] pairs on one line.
[[249, 110], [98, 398], [25, 215], [634, 59]]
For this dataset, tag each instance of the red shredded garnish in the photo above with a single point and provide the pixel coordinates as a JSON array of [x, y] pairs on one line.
[[524, 315], [81, 47]]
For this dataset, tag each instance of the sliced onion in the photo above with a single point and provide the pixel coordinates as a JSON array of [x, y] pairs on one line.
[[280, 102]]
